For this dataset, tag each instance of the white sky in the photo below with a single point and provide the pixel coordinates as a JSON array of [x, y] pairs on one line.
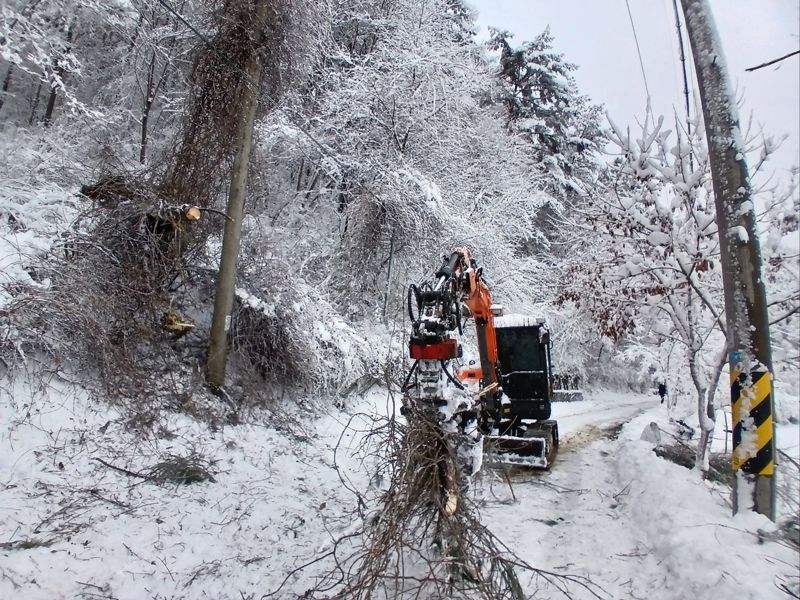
[[597, 36]]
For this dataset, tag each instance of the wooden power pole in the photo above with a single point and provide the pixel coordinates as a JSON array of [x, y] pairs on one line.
[[750, 357], [226, 277]]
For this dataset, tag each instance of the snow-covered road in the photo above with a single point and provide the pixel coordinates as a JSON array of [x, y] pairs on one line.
[[568, 520], [607, 408], [635, 526], [580, 422]]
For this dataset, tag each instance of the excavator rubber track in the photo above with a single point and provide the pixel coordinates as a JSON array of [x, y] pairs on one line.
[[536, 448]]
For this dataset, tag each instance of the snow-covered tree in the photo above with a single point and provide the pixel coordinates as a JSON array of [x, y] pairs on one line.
[[55, 52], [404, 159], [561, 127], [652, 270], [544, 105]]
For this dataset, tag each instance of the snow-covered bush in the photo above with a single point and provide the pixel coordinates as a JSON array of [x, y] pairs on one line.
[[106, 308], [288, 329]]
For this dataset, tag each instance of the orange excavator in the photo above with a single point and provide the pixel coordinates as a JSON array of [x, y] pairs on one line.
[[508, 394]]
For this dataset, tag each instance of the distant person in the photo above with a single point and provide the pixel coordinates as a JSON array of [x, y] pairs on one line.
[[662, 391]]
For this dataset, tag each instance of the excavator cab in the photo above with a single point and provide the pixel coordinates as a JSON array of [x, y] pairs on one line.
[[523, 349], [523, 433]]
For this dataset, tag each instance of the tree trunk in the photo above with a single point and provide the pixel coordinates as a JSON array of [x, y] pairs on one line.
[[6, 84], [226, 278], [706, 416], [35, 104], [51, 101], [146, 106], [387, 289], [51, 104], [151, 93], [704, 444]]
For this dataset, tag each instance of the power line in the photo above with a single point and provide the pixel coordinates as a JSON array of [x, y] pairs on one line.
[[685, 82], [772, 62], [638, 51]]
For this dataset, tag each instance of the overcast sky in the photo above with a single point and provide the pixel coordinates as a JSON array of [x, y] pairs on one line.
[[597, 36]]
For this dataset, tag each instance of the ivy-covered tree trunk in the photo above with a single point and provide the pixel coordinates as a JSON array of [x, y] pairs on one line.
[[226, 277]]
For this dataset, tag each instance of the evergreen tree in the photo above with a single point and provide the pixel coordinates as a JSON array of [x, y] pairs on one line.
[[544, 107], [463, 21]]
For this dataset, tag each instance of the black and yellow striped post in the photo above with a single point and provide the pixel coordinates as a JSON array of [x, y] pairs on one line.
[[751, 407]]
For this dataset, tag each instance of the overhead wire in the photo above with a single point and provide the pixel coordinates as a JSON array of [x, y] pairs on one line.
[[685, 82], [641, 60], [669, 17]]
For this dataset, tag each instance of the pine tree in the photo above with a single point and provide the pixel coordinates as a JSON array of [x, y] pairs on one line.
[[543, 105], [463, 21]]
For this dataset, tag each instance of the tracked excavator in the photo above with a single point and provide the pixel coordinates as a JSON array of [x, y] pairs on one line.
[[506, 397]]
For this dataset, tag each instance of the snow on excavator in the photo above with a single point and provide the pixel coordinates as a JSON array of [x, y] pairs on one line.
[[508, 394]]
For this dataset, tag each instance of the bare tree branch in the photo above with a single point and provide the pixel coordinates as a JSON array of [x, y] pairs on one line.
[[772, 62]]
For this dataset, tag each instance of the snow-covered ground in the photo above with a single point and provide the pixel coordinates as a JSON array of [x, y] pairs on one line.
[[637, 526], [71, 526]]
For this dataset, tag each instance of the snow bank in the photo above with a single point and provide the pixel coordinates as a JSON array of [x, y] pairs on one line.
[[705, 553], [609, 510], [73, 526]]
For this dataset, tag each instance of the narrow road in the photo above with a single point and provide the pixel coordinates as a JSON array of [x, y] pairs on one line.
[[605, 410], [625, 524], [568, 520], [580, 423]]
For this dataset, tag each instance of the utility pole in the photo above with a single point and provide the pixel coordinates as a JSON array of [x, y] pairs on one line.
[[685, 82], [748, 341], [226, 277]]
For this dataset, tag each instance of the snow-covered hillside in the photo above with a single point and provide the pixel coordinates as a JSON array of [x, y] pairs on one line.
[[216, 221], [84, 515]]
